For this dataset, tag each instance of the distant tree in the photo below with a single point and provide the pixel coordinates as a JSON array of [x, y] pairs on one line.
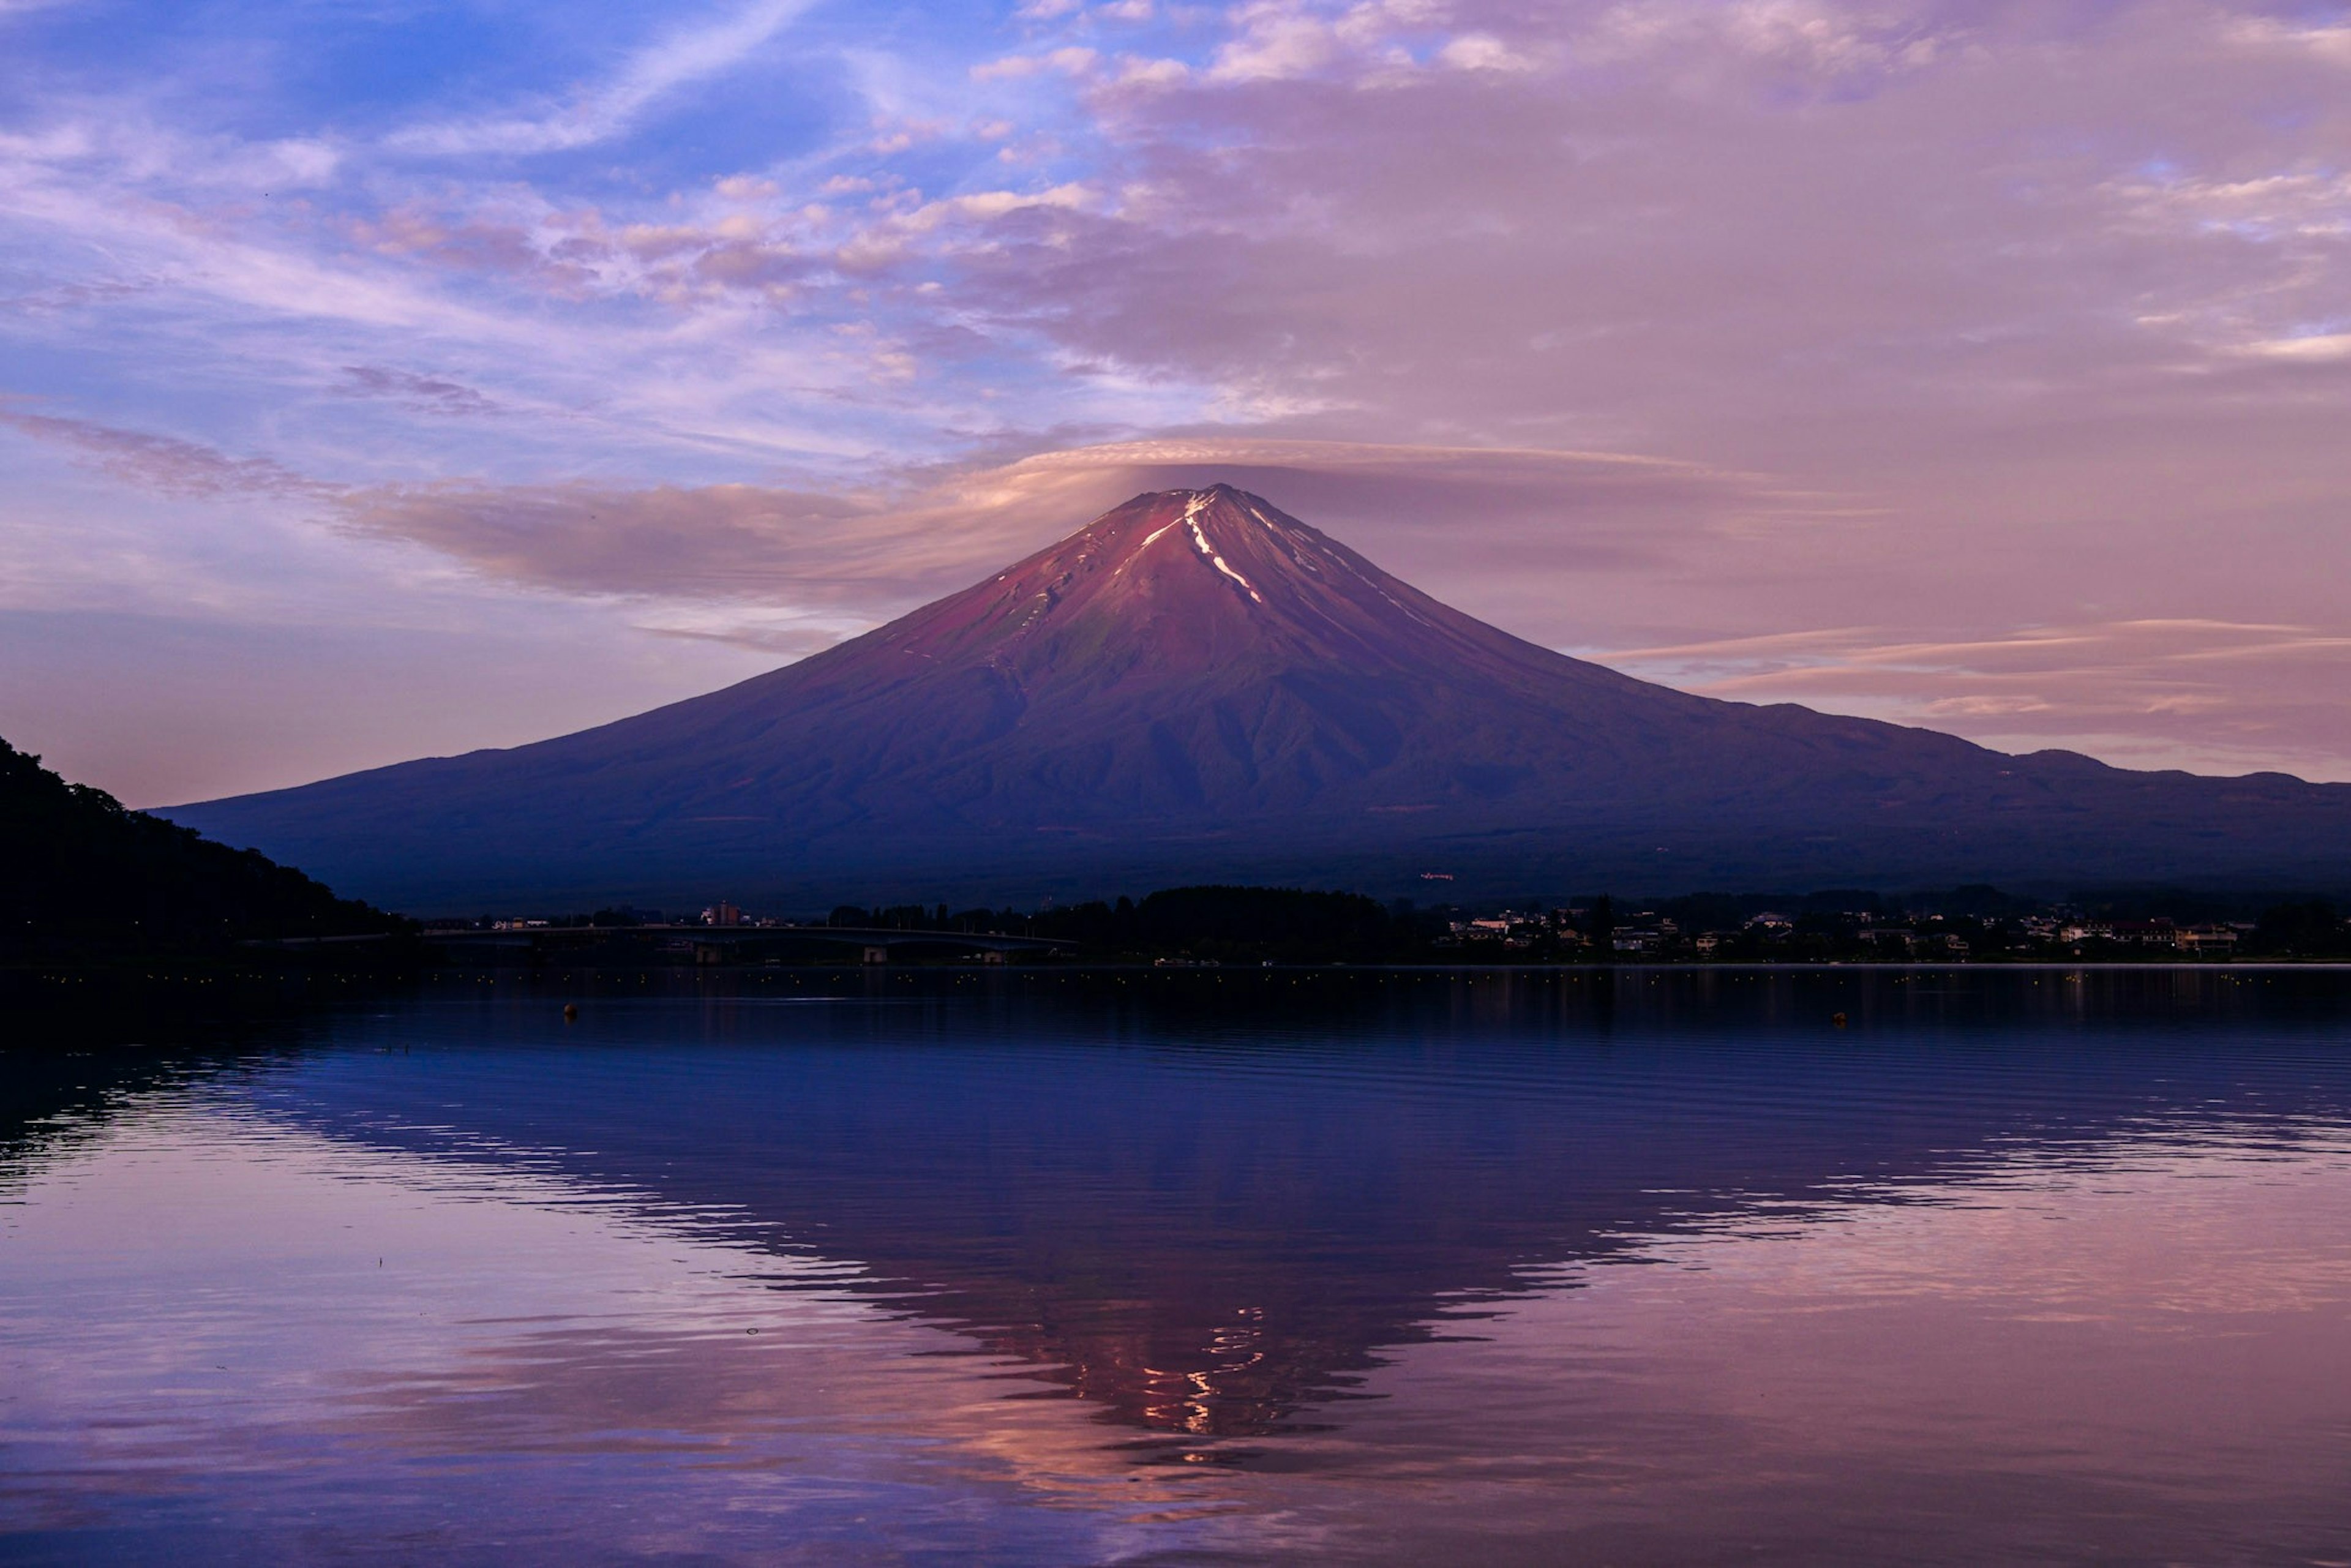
[[1229, 923], [2311, 928], [1713, 911], [1600, 926], [1837, 901], [1280, 922], [80, 874], [1977, 899], [2186, 906]]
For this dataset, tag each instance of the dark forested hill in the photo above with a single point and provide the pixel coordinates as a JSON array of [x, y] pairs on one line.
[[80, 875]]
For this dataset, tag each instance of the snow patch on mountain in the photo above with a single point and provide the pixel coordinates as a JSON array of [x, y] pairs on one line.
[[1192, 510]]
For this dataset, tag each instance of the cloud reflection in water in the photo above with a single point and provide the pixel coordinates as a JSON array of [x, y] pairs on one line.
[[2021, 1265]]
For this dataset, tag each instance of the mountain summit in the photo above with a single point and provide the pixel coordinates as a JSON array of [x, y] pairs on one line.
[[1196, 686]]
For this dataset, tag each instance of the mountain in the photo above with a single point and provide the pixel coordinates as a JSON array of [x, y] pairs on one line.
[[1196, 686], [80, 876]]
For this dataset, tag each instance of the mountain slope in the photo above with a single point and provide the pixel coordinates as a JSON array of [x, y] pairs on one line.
[[1198, 685]]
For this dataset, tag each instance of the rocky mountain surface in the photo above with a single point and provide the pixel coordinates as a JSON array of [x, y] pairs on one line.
[[1197, 686]]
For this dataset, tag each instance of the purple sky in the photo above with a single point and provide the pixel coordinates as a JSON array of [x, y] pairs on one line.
[[400, 379]]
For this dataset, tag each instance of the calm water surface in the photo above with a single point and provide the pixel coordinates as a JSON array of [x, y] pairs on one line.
[[1038, 1267]]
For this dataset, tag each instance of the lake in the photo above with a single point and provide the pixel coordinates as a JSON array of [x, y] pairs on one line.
[[1048, 1266]]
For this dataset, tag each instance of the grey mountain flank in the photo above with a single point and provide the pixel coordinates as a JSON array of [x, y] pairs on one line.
[[1197, 686]]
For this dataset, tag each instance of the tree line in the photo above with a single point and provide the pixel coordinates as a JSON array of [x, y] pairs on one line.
[[82, 875]]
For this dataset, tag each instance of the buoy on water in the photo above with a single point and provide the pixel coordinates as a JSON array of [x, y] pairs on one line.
[[1837, 1019], [571, 1013]]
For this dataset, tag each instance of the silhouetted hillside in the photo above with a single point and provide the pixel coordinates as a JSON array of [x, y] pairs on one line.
[[80, 874]]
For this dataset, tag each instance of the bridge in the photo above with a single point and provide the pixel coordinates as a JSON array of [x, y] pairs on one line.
[[877, 943]]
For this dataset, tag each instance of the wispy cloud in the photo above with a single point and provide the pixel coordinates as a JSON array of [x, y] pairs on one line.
[[1952, 320], [163, 463], [600, 112], [879, 550], [426, 394], [2214, 695]]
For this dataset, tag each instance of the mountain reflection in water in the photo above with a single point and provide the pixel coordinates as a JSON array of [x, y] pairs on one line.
[[1242, 1220]]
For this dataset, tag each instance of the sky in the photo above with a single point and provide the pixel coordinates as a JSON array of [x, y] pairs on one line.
[[386, 377]]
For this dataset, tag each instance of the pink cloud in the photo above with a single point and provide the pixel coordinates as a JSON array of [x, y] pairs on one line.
[[1900, 329], [2217, 697], [161, 463], [425, 394], [1562, 548]]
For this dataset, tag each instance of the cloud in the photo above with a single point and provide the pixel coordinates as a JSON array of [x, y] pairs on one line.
[[76, 198], [604, 111], [2215, 696], [1481, 52], [2318, 346], [1072, 60], [875, 553], [63, 297], [1952, 320], [425, 394], [2328, 42], [719, 542], [1278, 41], [163, 463], [1542, 543]]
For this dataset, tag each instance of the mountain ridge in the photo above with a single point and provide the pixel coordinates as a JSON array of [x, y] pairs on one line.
[[1195, 685]]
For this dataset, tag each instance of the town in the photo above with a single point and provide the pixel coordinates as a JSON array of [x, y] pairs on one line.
[[1215, 925]]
